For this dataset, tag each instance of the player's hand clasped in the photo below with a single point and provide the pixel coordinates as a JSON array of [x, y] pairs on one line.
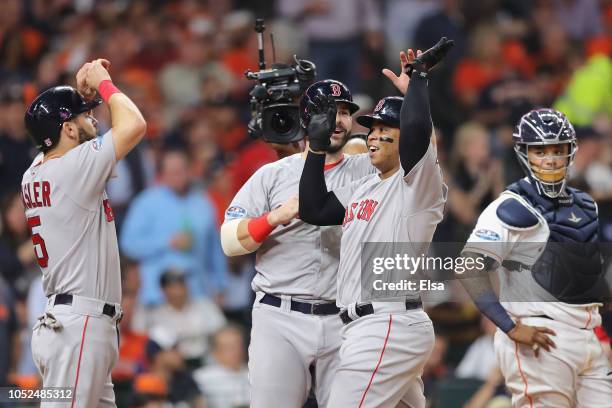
[[534, 336], [323, 123], [285, 213], [90, 75]]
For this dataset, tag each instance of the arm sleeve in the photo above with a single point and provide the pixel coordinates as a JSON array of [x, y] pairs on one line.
[[137, 239], [415, 124], [317, 205], [88, 168]]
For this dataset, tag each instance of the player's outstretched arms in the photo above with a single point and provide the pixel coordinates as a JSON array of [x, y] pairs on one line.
[[475, 280], [128, 124], [245, 235]]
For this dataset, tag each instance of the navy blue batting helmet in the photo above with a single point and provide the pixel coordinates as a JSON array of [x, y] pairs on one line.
[[387, 110], [50, 109], [336, 89], [541, 127]]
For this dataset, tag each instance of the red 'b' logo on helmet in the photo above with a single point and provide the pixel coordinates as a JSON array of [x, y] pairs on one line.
[[336, 91], [379, 105]]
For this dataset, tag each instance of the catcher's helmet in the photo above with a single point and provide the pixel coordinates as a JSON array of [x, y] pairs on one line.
[[50, 109], [543, 127], [336, 89], [387, 110]]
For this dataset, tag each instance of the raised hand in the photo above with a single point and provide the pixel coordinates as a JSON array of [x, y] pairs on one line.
[[97, 72], [83, 87], [402, 81], [322, 123]]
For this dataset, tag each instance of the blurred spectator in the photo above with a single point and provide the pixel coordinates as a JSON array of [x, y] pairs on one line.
[[588, 94], [241, 52], [476, 179], [225, 383], [402, 18], [19, 43], [592, 172], [435, 368], [173, 225], [167, 364], [239, 297], [134, 173], [150, 391], [8, 333], [337, 30], [484, 65], [479, 360], [191, 321], [447, 20], [132, 346], [195, 76], [36, 302], [16, 149], [485, 396], [17, 256], [581, 18], [602, 44]]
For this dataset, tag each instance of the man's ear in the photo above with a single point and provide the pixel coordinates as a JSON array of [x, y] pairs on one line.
[[70, 130]]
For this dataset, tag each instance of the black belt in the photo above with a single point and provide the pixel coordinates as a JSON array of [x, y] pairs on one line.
[[303, 307], [66, 299], [368, 309]]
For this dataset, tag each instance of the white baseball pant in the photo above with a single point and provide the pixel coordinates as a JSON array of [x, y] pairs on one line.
[[574, 374], [76, 346]]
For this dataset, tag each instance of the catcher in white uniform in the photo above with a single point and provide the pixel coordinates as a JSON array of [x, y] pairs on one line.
[[541, 237], [75, 343]]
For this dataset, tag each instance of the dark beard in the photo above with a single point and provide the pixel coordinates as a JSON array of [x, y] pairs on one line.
[[84, 137], [335, 149]]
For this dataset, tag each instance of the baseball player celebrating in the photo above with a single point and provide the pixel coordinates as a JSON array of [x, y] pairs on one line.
[[384, 344], [540, 235], [295, 322], [74, 343]]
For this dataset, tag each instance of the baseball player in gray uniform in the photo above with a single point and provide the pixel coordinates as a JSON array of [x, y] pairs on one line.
[[295, 322], [75, 343], [385, 344]]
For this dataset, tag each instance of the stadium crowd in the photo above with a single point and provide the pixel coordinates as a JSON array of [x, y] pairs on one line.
[[187, 306]]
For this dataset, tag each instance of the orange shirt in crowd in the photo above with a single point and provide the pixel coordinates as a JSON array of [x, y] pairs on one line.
[[132, 356]]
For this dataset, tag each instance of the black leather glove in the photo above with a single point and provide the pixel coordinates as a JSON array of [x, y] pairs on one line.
[[322, 122]]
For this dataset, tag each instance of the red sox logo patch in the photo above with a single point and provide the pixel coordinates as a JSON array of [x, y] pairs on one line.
[[379, 105], [336, 91]]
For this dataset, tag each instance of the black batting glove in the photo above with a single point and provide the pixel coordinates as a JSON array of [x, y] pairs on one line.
[[430, 58], [322, 122]]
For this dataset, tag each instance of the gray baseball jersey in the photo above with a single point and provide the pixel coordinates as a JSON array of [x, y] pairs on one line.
[[397, 209], [72, 223], [297, 259]]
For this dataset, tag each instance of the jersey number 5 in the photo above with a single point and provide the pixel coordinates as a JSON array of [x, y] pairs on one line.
[[41, 256]]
